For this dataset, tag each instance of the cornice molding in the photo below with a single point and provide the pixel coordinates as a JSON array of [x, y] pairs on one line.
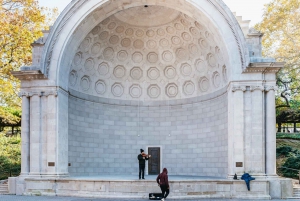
[[264, 67], [239, 88]]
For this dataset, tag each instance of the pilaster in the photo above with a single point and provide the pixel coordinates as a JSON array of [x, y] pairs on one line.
[[270, 131]]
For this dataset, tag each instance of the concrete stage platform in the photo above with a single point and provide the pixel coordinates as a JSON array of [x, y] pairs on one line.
[[129, 186]]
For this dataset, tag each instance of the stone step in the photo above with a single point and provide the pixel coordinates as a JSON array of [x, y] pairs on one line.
[[3, 188]]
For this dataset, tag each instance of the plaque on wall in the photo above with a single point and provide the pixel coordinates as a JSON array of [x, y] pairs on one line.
[[239, 164]]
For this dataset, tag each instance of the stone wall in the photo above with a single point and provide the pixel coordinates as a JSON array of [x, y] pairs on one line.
[[106, 138]]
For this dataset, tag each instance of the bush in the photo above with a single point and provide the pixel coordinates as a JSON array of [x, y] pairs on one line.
[[291, 167], [283, 151], [10, 156]]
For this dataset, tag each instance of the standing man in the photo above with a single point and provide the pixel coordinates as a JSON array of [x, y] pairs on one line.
[[163, 183], [142, 157]]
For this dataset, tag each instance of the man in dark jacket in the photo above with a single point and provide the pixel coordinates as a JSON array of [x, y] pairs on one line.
[[163, 182], [142, 163]]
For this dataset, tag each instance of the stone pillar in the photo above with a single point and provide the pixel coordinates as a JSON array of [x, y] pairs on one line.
[[270, 131], [51, 137], [25, 132], [238, 129], [35, 128], [257, 156]]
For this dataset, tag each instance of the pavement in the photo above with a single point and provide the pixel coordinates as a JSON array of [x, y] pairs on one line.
[[48, 198]]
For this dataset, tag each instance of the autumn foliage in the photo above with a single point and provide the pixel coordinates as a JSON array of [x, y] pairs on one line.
[[21, 23]]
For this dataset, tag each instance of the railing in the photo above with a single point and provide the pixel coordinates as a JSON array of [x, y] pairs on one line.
[[294, 170]]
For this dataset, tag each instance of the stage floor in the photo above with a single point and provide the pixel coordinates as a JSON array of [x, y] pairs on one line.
[[147, 178]]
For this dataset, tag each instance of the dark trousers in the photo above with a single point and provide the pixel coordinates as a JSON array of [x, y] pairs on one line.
[[142, 171], [164, 190]]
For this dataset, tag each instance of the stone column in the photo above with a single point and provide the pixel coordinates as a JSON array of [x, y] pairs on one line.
[[35, 128], [25, 132], [270, 131], [238, 129], [51, 137], [257, 156]]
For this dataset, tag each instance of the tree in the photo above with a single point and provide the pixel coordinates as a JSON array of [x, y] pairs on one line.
[[21, 23], [281, 28]]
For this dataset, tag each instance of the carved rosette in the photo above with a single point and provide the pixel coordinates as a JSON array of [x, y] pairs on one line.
[[204, 84]]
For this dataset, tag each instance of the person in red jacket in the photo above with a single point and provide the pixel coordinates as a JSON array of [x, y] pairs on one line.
[[163, 183]]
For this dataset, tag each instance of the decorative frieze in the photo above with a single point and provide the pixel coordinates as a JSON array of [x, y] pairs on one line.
[[269, 88], [38, 93]]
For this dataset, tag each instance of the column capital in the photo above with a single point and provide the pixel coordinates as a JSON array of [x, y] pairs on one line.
[[49, 93], [269, 88], [23, 93], [35, 93], [238, 88], [253, 88]]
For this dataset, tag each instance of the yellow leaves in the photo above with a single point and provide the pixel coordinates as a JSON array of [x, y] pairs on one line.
[[21, 23]]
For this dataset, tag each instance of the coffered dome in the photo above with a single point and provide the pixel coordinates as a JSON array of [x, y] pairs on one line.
[[149, 53]]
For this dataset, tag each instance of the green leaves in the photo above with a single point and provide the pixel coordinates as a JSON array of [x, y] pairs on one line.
[[281, 40]]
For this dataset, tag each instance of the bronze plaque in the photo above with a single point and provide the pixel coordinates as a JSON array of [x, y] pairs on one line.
[[239, 164], [51, 164]]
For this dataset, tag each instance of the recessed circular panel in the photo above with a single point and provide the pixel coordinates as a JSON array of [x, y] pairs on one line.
[[170, 72], [193, 49], [200, 66], [182, 54], [204, 84], [77, 58], [167, 56], [85, 83], [151, 44], [164, 42], [194, 31], [86, 43], [108, 53], [105, 21], [120, 29], [216, 79], [150, 33], [96, 48], [104, 35], [186, 69], [129, 32], [203, 43], [135, 91], [161, 32], [153, 73], [186, 36], [211, 59], [139, 33], [103, 68], [114, 39], [188, 88], [100, 87], [73, 78], [224, 73], [153, 91], [170, 30], [126, 42], [137, 57], [138, 44], [136, 73], [122, 55], [117, 89], [111, 25], [119, 71], [96, 30], [89, 64], [171, 90], [176, 40], [152, 57], [178, 26]]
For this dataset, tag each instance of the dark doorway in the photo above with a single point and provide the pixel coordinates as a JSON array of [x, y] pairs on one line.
[[154, 162]]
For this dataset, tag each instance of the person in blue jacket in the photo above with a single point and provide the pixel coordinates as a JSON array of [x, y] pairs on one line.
[[247, 177]]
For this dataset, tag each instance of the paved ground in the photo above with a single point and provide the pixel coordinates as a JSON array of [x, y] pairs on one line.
[[43, 198]]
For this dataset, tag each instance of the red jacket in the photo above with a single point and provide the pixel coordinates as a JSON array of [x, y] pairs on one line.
[[162, 178]]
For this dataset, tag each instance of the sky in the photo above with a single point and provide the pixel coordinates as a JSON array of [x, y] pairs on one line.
[[248, 9]]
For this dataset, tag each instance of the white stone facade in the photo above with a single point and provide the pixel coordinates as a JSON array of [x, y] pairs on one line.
[[117, 76]]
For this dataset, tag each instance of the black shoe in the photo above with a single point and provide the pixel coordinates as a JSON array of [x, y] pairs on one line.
[[143, 178], [139, 178]]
